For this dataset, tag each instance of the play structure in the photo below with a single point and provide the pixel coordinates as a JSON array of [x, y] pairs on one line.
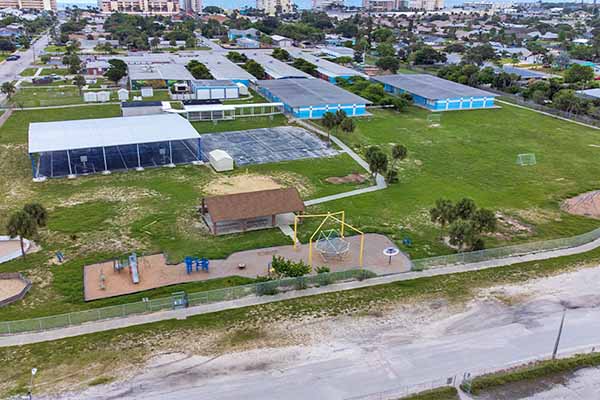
[[118, 266], [331, 243], [526, 159], [201, 264]]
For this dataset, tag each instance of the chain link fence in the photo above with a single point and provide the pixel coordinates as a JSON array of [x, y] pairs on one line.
[[507, 251], [272, 287]]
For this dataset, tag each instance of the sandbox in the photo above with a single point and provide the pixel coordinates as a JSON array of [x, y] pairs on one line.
[[12, 288], [154, 271]]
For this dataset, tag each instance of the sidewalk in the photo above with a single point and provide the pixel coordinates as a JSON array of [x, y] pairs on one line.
[[105, 325]]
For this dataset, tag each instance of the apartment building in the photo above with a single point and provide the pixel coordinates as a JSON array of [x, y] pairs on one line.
[[48, 5], [145, 7], [273, 7]]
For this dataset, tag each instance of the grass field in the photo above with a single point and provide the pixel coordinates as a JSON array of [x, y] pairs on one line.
[[54, 71], [95, 218], [473, 154], [28, 72], [55, 49], [74, 360]]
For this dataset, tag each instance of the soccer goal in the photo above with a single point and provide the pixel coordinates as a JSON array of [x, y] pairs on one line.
[[526, 159], [434, 120]]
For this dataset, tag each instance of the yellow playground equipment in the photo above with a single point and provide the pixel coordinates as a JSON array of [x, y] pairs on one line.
[[330, 243]]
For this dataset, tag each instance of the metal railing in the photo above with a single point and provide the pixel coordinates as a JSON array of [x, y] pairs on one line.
[[167, 303], [272, 287], [455, 379], [506, 251]]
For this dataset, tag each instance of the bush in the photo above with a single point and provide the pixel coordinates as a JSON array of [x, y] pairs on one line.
[[535, 371]]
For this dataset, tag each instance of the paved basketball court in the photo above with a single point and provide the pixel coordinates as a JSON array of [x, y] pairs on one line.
[[265, 145]]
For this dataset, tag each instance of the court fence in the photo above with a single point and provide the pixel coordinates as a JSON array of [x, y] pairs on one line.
[[271, 287]]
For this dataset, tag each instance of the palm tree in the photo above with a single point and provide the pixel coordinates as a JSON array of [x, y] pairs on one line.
[[398, 154], [329, 122], [23, 225], [37, 212], [79, 81], [8, 88]]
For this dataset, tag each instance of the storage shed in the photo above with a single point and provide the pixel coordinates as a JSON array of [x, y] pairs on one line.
[[215, 89], [220, 160]]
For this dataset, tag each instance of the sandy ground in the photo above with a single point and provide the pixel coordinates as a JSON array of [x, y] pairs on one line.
[[241, 183], [10, 287], [294, 343], [350, 178], [586, 204], [154, 271]]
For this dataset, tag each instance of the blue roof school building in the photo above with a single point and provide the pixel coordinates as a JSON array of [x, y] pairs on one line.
[[437, 94], [311, 98], [326, 70]]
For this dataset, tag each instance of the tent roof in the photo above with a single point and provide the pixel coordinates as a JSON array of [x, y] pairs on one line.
[[262, 203], [89, 133]]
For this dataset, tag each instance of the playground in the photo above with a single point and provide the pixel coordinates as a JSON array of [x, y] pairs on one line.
[[102, 280]]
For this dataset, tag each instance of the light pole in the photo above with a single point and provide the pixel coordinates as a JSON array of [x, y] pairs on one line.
[[33, 372], [560, 329]]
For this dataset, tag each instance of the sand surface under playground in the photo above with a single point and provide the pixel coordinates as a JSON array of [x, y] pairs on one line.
[[8, 247], [154, 271], [241, 184], [11, 287]]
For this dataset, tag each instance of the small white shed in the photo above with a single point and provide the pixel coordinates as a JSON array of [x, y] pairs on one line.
[[147, 92], [103, 97], [220, 160], [90, 97], [123, 94], [243, 89]]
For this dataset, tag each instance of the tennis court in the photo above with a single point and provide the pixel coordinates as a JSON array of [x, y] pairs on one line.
[[266, 145]]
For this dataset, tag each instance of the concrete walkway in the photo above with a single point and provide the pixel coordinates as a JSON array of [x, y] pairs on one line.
[[105, 325], [380, 180]]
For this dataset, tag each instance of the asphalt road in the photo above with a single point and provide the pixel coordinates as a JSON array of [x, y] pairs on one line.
[[486, 338], [10, 69]]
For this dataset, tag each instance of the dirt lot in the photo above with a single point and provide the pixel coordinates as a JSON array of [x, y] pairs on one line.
[[241, 352], [586, 204]]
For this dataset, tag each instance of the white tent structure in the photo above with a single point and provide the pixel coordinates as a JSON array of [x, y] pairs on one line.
[[220, 160], [147, 92], [103, 97], [123, 94], [90, 97], [70, 148]]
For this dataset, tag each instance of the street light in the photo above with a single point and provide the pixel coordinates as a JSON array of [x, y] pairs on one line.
[[33, 372]]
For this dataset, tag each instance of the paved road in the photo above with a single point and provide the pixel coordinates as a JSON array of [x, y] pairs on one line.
[[366, 365], [10, 69]]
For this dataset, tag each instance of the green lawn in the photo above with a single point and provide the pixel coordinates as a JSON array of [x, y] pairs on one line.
[[70, 361], [28, 72], [473, 154], [57, 71], [55, 49], [95, 218]]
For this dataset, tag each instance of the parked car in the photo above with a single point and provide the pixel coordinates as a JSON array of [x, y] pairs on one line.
[[14, 57]]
